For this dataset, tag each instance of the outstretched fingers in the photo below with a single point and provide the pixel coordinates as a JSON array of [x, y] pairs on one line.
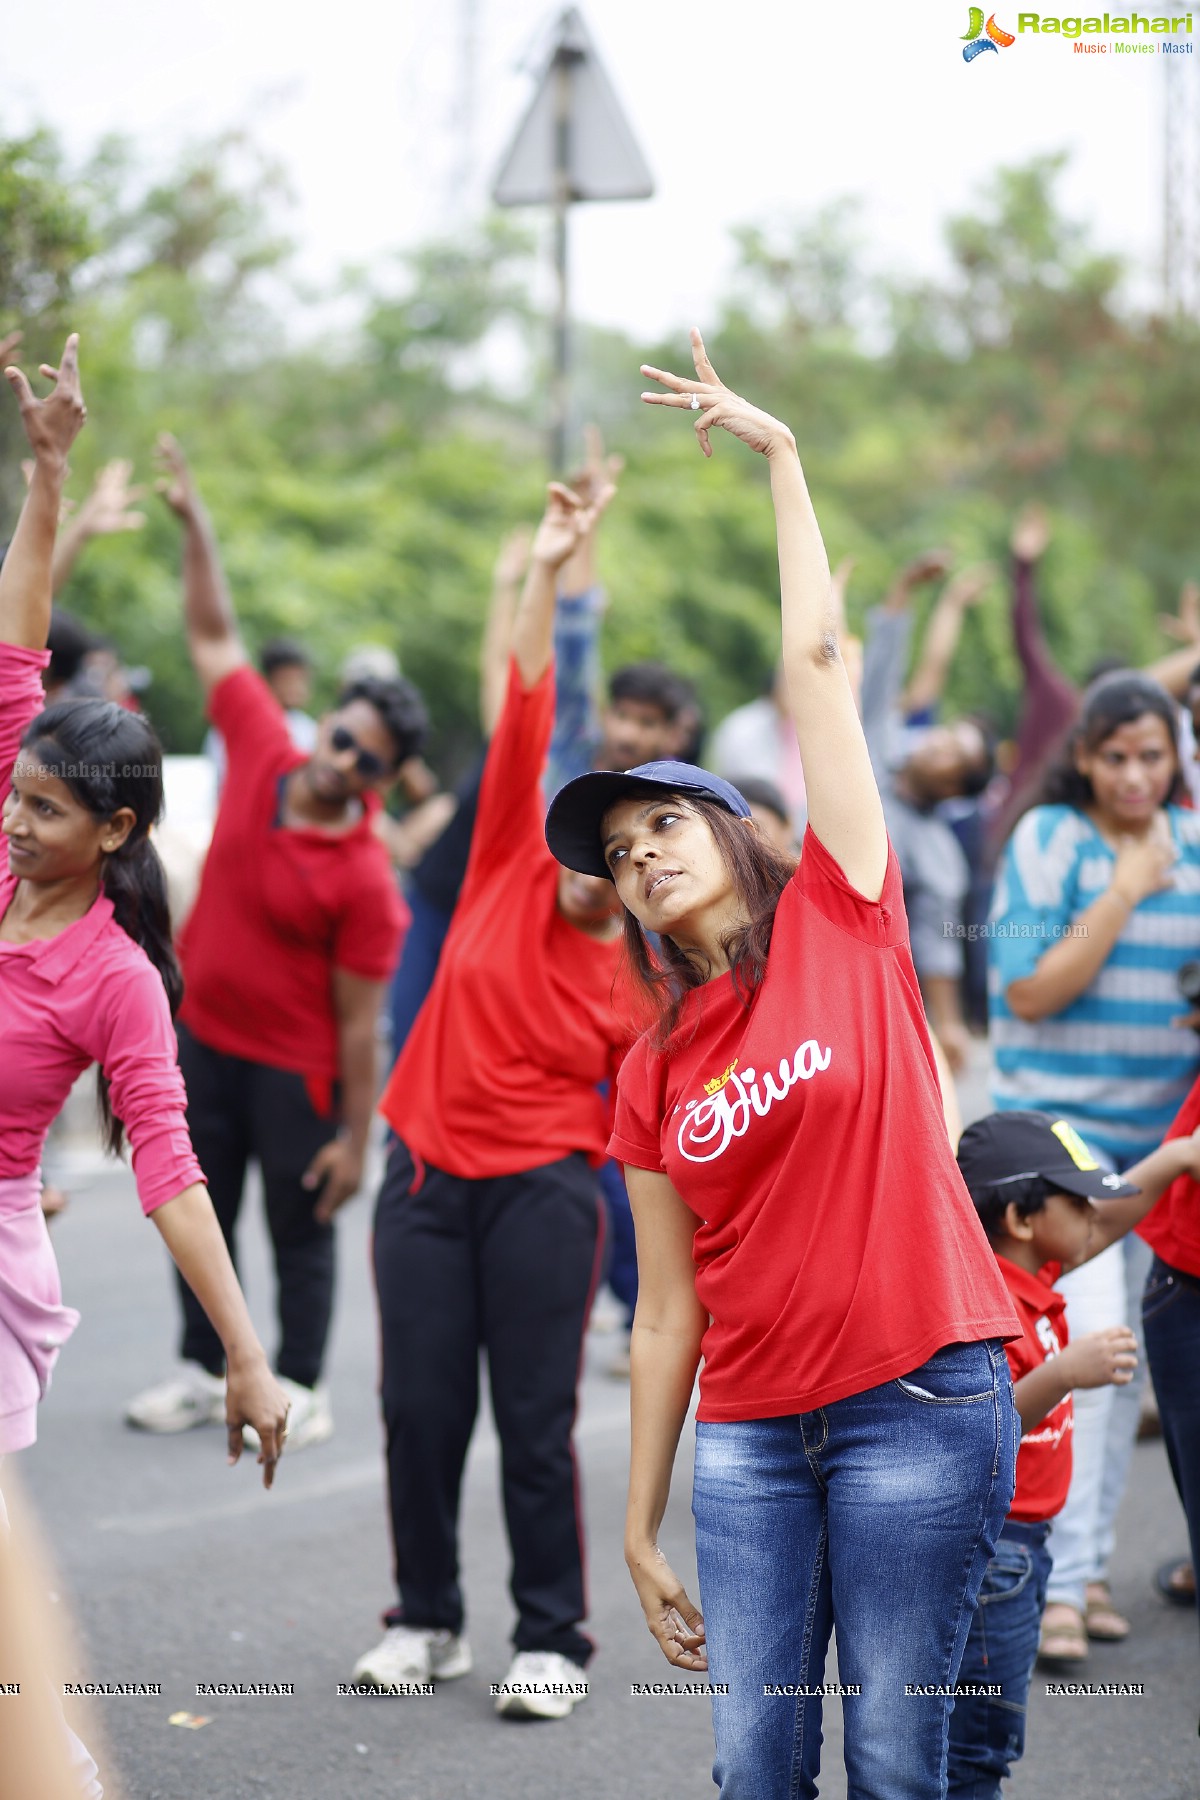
[[19, 384], [704, 368]]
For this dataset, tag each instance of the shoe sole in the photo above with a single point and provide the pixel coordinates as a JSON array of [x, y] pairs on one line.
[[161, 1428], [319, 1433], [369, 1678], [366, 1678], [526, 1706], [455, 1666]]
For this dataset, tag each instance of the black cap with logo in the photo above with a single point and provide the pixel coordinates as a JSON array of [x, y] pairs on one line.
[[1016, 1146]]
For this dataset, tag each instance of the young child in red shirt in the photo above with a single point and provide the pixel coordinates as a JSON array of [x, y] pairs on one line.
[[1033, 1181]]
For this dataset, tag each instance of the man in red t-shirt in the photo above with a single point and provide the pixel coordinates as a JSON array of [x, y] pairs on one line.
[[286, 954], [1033, 1181]]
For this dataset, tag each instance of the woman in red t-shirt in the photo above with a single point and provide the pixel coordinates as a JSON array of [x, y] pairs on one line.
[[802, 1226], [487, 1229]]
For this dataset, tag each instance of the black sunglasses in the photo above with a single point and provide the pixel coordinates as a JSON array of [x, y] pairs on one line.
[[369, 766]]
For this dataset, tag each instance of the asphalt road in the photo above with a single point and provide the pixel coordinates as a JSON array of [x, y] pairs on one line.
[[180, 1571]]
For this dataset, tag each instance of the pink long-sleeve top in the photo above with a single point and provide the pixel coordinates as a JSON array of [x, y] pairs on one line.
[[88, 995]]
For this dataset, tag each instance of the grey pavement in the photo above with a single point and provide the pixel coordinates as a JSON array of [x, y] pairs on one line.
[[180, 1570]]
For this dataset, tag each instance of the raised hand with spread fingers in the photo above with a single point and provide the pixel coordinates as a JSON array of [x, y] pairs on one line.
[[845, 810], [51, 425]]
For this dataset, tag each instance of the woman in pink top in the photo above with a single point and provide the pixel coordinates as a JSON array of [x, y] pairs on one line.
[[87, 972]]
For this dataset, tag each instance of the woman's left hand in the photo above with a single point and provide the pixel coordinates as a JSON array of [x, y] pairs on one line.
[[253, 1397], [716, 404]]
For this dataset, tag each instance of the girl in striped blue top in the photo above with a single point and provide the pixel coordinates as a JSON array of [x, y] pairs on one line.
[[1097, 908]]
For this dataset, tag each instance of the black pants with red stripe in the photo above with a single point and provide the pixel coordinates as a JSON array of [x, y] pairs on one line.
[[507, 1265], [239, 1111]]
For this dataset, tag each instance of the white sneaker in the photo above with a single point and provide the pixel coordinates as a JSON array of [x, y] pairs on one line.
[[310, 1418], [193, 1397], [408, 1654], [541, 1684]]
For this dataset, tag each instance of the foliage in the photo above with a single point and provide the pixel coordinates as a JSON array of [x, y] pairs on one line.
[[361, 474]]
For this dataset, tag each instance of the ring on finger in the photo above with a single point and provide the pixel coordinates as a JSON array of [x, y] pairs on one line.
[[694, 403]]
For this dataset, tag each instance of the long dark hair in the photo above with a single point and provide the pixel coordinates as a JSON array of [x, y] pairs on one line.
[[759, 874], [110, 758], [1109, 703]]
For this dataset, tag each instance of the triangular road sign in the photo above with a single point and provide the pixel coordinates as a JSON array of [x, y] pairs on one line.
[[603, 161]]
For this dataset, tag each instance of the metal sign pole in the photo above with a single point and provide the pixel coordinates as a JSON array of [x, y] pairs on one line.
[[560, 379], [573, 144]]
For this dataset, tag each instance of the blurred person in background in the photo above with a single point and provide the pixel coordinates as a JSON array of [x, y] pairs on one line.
[[286, 953], [769, 810], [757, 742], [1097, 908], [488, 1227], [1050, 701], [286, 667], [919, 769]]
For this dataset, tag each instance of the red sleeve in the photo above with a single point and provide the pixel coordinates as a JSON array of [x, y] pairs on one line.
[[638, 1122], [250, 719], [21, 700], [372, 925], [1172, 1226], [511, 816], [882, 923]]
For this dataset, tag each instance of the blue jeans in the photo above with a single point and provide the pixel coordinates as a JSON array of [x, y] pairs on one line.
[[1171, 1319], [876, 1514], [987, 1732]]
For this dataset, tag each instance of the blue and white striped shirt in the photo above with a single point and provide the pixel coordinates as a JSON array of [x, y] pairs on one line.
[[1111, 1062]]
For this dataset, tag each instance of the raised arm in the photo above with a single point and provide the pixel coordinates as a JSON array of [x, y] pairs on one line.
[[1175, 670], [209, 619], [939, 646], [565, 521], [507, 577], [51, 425], [577, 621], [108, 509], [844, 808]]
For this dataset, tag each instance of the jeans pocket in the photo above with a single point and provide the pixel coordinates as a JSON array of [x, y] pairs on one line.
[[955, 1375], [1161, 1291], [1007, 1575]]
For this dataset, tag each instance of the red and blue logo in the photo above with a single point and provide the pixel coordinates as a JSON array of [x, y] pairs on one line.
[[981, 37]]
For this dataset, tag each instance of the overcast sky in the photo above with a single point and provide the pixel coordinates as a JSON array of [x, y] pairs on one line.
[[747, 110]]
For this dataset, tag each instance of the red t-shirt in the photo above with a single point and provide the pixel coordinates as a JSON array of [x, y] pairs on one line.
[[280, 908], [501, 1070], [1172, 1227], [1044, 1459], [837, 1246]]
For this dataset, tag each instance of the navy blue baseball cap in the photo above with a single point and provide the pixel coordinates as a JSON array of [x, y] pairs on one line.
[[1015, 1146], [576, 811]]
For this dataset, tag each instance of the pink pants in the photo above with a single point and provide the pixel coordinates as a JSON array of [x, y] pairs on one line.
[[34, 1323]]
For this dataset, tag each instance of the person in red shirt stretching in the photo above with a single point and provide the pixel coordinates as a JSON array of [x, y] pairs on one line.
[[802, 1226], [286, 954], [1033, 1181], [488, 1226]]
